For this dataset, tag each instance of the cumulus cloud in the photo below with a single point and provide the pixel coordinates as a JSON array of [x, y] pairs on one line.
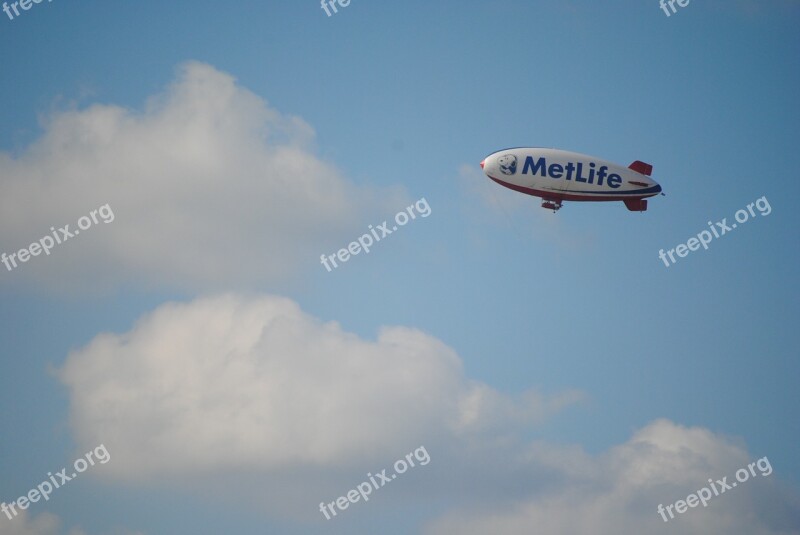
[[210, 188], [253, 393], [25, 524], [226, 383], [44, 524], [619, 491]]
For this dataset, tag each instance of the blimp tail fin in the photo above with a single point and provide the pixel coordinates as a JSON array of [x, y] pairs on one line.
[[636, 205], [641, 167]]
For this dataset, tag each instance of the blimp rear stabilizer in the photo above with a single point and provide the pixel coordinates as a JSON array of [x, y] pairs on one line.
[[558, 175]]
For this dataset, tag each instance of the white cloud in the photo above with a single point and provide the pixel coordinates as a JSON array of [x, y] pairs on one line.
[[45, 524], [618, 492], [210, 188], [24, 524], [228, 383], [252, 399]]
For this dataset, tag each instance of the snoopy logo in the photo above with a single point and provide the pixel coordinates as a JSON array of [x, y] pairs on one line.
[[508, 164]]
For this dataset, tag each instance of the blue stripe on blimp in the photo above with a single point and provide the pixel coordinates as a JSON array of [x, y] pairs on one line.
[[654, 189]]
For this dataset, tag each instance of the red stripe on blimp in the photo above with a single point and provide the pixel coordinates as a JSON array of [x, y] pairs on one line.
[[565, 196]]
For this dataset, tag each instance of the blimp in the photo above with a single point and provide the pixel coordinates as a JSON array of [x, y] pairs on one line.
[[559, 175]]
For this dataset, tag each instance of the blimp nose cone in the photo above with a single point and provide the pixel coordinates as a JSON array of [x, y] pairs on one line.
[[483, 163]]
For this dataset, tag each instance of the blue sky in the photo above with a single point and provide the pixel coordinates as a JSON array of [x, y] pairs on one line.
[[538, 351]]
